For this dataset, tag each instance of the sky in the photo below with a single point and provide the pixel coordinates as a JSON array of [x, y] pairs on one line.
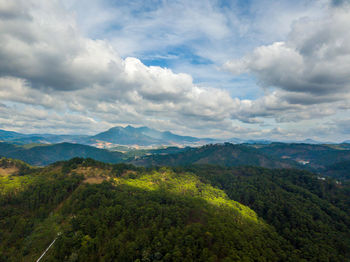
[[252, 69]]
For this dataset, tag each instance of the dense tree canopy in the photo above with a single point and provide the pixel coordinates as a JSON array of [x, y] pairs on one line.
[[120, 212]]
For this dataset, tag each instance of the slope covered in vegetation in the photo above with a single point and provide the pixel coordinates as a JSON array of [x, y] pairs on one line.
[[219, 154], [317, 156], [103, 212], [41, 155], [312, 214]]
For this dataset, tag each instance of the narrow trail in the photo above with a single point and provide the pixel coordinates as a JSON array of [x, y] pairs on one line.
[[59, 233], [43, 254]]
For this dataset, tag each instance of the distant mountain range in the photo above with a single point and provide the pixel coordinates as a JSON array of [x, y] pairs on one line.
[[130, 136], [168, 149], [327, 160], [144, 136], [19, 138]]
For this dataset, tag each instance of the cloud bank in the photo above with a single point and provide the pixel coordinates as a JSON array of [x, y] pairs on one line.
[[47, 64], [309, 73], [55, 78]]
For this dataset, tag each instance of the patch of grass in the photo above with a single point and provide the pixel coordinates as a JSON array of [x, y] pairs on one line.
[[14, 183], [189, 185], [31, 145]]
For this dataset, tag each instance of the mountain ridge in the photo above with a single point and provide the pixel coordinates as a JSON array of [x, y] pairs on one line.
[[226, 154], [136, 137], [47, 154], [118, 135]]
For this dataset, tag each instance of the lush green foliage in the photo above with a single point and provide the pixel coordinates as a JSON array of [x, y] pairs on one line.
[[200, 213], [318, 156], [11, 175], [312, 214], [161, 217], [220, 154], [327, 160], [25, 209], [339, 170]]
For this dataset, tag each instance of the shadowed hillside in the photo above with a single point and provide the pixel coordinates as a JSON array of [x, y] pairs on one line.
[[47, 154], [219, 154]]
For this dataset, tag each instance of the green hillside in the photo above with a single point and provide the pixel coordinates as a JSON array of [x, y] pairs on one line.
[[311, 213], [318, 156], [326, 160], [41, 155], [119, 213], [339, 170], [219, 154], [105, 212]]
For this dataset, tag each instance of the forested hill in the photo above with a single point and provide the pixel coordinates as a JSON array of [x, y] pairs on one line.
[[226, 154], [120, 212], [326, 160], [41, 155], [317, 156]]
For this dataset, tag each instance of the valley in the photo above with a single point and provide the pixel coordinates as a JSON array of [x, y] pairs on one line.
[[331, 160]]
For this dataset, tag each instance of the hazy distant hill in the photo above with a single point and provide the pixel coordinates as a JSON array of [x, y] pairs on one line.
[[47, 154], [18, 138], [125, 136], [219, 154], [144, 136], [132, 136], [50, 139], [140, 136], [10, 135]]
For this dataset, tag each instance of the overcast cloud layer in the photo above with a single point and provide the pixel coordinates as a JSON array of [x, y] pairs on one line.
[[59, 73]]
